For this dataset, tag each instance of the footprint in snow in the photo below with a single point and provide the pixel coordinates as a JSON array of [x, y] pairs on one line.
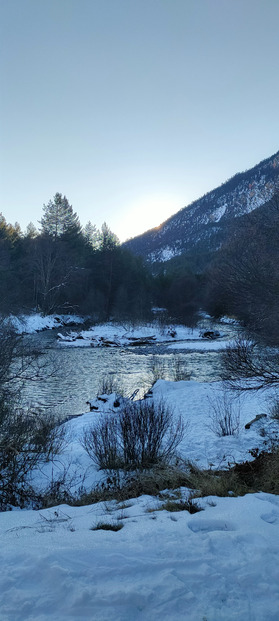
[[208, 526], [274, 500], [271, 518]]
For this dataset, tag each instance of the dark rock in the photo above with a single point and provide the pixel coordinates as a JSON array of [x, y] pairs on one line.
[[210, 334]]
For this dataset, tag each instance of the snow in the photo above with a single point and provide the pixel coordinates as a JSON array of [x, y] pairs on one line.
[[229, 320], [220, 564], [165, 254], [119, 335], [218, 213], [28, 324], [181, 337], [202, 345], [193, 400]]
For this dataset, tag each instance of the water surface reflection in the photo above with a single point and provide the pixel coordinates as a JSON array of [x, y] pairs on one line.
[[77, 372]]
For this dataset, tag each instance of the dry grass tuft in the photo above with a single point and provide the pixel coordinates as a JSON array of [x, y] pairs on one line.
[[181, 505], [108, 526]]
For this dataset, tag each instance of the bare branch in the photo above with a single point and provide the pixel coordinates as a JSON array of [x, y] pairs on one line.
[[247, 367]]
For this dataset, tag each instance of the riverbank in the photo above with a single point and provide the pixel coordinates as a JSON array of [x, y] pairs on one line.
[[119, 334], [203, 443], [114, 334], [36, 322], [139, 559]]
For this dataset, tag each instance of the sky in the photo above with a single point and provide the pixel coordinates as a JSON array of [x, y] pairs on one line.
[[132, 108]]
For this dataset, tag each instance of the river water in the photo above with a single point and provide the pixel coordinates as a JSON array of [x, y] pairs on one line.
[[73, 375]]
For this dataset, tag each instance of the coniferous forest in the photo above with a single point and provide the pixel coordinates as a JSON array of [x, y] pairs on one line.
[[64, 267]]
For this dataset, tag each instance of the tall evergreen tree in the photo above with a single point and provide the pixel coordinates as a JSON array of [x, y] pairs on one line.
[[17, 229], [31, 231], [59, 219], [91, 234], [108, 239]]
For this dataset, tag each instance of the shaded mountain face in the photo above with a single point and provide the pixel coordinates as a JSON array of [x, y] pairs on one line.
[[205, 225]]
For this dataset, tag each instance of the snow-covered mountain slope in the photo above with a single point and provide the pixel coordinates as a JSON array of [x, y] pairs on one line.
[[205, 224]]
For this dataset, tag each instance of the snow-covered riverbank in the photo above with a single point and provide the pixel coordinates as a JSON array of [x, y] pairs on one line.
[[218, 564], [28, 324], [201, 444], [113, 334], [118, 335]]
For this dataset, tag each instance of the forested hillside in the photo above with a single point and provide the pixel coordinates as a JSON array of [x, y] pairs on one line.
[[204, 226], [243, 277]]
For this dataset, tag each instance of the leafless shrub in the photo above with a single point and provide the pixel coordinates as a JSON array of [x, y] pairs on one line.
[[179, 369], [57, 492], [27, 438], [247, 367], [157, 368], [143, 435], [109, 384], [148, 434], [101, 443], [26, 442], [274, 408], [225, 414]]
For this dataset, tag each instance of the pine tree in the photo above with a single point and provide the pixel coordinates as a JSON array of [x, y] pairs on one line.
[[108, 239], [31, 231], [59, 219], [91, 234], [17, 229], [8, 231]]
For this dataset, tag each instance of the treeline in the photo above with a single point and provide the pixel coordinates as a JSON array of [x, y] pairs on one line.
[[64, 267], [67, 268]]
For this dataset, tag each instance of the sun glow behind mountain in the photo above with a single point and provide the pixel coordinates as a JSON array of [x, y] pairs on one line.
[[149, 211]]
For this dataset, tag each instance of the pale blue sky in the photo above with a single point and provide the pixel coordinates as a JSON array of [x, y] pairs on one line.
[[133, 108]]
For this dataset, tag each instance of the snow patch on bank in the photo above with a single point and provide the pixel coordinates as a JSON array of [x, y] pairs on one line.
[[202, 345], [28, 324], [118, 335]]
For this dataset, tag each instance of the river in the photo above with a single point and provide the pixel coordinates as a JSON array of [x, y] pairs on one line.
[[74, 374]]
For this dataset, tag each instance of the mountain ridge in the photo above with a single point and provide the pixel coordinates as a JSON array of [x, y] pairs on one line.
[[205, 223]]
